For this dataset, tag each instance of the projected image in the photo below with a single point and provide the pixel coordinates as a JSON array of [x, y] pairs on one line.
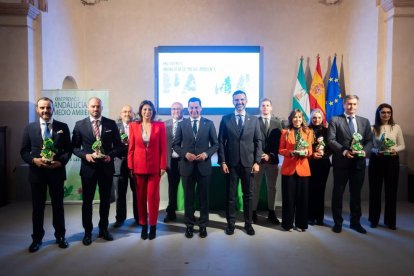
[[211, 76]]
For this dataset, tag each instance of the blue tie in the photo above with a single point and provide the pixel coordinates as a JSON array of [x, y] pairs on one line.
[[46, 133], [351, 124]]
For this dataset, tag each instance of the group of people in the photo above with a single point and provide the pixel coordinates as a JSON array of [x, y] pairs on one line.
[[248, 149]]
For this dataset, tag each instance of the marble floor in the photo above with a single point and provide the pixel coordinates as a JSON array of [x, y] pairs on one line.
[[318, 251]]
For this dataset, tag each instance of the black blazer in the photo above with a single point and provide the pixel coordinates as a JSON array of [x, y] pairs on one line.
[[169, 133], [31, 147], [205, 141], [271, 138], [340, 139], [121, 162], [83, 138], [234, 146]]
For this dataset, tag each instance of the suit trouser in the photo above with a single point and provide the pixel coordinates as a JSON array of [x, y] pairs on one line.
[[320, 169], [173, 182], [189, 183], [356, 180], [121, 204], [383, 169], [148, 191], [295, 201], [232, 180], [104, 183], [270, 171], [39, 190]]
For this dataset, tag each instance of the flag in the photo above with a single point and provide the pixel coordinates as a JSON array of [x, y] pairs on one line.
[[334, 100], [317, 90], [300, 94]]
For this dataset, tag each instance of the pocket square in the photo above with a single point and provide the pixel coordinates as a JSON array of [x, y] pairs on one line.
[[109, 130], [59, 131]]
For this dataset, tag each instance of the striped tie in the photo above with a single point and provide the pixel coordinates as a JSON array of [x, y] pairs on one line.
[[96, 129]]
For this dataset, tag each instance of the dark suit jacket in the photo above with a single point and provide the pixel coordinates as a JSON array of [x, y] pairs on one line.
[[234, 146], [169, 133], [205, 141], [83, 138], [340, 139], [121, 162], [31, 147], [271, 138]]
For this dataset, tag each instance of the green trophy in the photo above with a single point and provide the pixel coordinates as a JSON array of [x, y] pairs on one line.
[[300, 145], [48, 151], [320, 146], [356, 145], [386, 144], [98, 153], [124, 137]]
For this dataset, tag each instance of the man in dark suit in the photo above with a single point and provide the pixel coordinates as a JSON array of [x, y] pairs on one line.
[[96, 169], [348, 163], [271, 129], [173, 158], [240, 152], [122, 173], [43, 173], [195, 142]]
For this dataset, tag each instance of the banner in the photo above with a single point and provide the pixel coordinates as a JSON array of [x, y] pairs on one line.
[[70, 107]]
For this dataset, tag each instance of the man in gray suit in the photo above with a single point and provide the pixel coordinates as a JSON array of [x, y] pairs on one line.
[[172, 161], [195, 142], [271, 129], [240, 152], [348, 164]]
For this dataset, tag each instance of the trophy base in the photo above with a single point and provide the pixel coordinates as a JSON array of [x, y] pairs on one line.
[[387, 153], [47, 161], [98, 157], [299, 153]]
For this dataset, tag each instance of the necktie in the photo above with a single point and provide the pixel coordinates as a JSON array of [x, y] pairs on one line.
[[266, 124], [46, 133], [195, 127], [351, 124], [175, 128], [240, 122], [96, 129]]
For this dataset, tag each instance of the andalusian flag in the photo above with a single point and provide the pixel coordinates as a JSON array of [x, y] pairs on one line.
[[317, 90], [300, 94], [334, 100]]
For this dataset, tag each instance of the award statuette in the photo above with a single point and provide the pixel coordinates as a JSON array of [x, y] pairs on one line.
[[356, 145], [320, 146], [124, 137], [98, 153], [386, 145], [48, 151], [300, 145]]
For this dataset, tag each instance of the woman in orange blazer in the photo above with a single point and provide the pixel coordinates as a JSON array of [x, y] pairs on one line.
[[147, 161], [295, 171]]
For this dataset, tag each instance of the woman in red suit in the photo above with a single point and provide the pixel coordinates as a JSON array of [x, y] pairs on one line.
[[147, 161], [296, 147]]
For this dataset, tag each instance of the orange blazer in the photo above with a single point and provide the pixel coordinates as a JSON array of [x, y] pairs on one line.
[[151, 159], [292, 164]]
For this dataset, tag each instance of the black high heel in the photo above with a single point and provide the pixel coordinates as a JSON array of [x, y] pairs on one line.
[[153, 232], [144, 232]]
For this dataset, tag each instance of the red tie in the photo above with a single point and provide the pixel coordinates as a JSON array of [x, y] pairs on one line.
[[96, 129]]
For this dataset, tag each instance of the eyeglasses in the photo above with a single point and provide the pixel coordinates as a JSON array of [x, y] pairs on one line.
[[385, 112]]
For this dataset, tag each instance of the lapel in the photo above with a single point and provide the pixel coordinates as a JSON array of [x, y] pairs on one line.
[[201, 128], [262, 126], [88, 127], [38, 133], [233, 122]]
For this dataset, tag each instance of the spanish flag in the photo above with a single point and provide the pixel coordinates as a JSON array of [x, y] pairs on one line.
[[317, 90]]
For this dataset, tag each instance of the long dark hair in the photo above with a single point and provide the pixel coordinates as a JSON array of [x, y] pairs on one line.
[[141, 105], [378, 123], [292, 114]]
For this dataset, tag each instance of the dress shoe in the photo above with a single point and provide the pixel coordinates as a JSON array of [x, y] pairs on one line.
[[254, 217], [105, 235], [358, 228], [287, 229], [337, 228], [249, 229], [118, 223], [311, 222], [62, 242], [203, 232], [35, 246], [373, 225], [392, 227], [170, 218], [153, 232], [87, 239], [229, 229], [144, 232], [189, 232], [272, 218]]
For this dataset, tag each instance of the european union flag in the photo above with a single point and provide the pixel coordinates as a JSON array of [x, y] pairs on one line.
[[334, 98]]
